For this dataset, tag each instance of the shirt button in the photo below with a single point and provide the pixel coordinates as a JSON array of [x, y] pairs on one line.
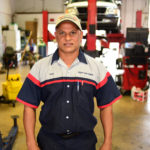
[[67, 117], [67, 101], [68, 131], [68, 86]]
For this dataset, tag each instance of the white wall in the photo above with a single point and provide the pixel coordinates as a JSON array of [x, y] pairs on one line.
[[39, 5], [128, 12], [6, 11]]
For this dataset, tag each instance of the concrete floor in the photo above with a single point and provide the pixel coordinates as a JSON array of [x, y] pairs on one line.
[[131, 121]]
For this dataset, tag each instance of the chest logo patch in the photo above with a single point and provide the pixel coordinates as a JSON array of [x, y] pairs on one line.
[[85, 73]]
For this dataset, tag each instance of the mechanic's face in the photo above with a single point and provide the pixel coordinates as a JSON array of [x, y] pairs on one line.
[[68, 37]]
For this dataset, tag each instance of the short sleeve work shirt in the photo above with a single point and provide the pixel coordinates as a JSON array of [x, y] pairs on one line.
[[67, 93]]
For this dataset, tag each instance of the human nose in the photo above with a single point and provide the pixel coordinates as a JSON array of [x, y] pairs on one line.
[[68, 37]]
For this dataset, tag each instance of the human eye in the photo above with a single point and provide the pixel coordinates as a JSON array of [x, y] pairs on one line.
[[61, 33], [72, 33]]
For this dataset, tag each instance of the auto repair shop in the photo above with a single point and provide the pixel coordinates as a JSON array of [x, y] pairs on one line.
[[115, 33]]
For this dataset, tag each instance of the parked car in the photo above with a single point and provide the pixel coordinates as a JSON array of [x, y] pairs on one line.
[[108, 14]]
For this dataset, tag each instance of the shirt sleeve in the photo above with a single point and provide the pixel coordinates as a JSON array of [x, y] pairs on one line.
[[30, 93], [107, 91]]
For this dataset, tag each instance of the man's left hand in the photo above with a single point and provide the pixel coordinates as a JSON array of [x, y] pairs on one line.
[[106, 147]]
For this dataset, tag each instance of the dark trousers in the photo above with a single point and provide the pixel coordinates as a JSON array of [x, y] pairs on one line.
[[83, 141]]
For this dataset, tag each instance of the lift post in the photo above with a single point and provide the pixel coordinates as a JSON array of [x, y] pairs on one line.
[[91, 25], [45, 29], [45, 26], [91, 28]]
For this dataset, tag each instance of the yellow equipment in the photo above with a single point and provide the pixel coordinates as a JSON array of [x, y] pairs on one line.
[[11, 87]]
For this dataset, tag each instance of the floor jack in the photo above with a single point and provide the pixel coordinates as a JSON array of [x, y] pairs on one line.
[[6, 143]]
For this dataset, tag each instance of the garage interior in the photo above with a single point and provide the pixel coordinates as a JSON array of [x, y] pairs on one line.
[[21, 21]]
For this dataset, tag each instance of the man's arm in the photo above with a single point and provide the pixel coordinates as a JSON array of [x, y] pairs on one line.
[[106, 117], [29, 120]]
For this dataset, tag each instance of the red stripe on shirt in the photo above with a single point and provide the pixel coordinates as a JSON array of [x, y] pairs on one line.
[[68, 80], [25, 103], [111, 102], [103, 82], [33, 79]]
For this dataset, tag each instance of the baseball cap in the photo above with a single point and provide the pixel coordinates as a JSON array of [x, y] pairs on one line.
[[68, 17]]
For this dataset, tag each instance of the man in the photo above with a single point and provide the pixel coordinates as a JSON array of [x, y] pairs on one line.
[[67, 82]]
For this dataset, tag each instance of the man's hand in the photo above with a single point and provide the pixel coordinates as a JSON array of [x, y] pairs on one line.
[[106, 146], [33, 147]]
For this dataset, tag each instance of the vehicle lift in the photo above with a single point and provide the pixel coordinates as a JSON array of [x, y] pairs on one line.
[[91, 34], [6, 143]]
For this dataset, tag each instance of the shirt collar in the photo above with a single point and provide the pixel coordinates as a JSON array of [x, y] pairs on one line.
[[81, 56], [55, 56]]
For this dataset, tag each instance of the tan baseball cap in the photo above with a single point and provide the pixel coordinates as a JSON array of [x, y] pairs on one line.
[[69, 17]]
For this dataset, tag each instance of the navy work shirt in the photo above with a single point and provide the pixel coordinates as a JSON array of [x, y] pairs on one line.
[[67, 93]]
